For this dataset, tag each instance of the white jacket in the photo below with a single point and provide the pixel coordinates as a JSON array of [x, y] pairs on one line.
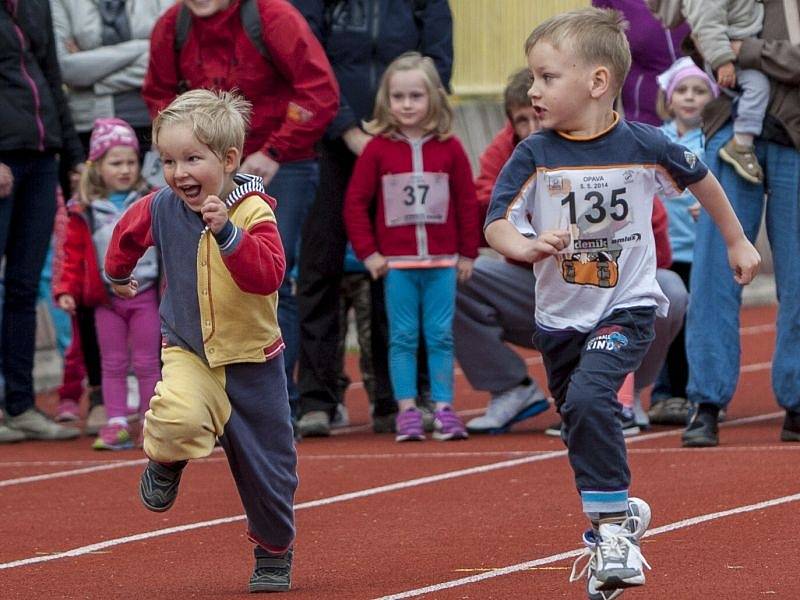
[[95, 72]]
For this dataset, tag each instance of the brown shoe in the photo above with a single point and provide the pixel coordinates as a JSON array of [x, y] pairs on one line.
[[743, 160]]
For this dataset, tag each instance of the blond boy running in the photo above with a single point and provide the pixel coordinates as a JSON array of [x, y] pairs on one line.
[[223, 374], [576, 200]]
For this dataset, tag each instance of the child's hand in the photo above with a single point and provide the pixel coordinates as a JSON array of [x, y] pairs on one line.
[[66, 302], [377, 265], [127, 290], [744, 260], [726, 75], [6, 180], [214, 213], [548, 244], [694, 210], [464, 267]]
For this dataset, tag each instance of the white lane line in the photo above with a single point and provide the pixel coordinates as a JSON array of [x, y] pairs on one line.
[[72, 472], [95, 469], [349, 496], [553, 558], [142, 461]]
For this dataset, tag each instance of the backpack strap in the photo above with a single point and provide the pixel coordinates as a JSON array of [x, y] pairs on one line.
[[182, 25], [251, 22]]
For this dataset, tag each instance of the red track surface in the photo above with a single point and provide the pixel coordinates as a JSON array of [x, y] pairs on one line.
[[520, 507]]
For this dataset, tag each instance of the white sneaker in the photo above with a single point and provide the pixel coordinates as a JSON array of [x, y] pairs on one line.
[[509, 407], [341, 418], [618, 560], [8, 435], [631, 531], [639, 414], [37, 426]]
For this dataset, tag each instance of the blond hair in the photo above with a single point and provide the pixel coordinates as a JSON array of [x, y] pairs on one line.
[[439, 118], [92, 187], [595, 35], [219, 119]]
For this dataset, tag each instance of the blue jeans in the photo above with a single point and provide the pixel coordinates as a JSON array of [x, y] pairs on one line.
[[294, 187], [431, 295], [716, 297], [26, 223]]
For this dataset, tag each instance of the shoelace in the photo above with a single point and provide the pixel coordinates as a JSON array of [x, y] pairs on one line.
[[613, 547]]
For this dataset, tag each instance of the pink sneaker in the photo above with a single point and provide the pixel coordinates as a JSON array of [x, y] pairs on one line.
[[68, 411], [409, 426], [448, 426], [113, 437]]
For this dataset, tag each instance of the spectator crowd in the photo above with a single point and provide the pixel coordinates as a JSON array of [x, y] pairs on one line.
[[351, 132]]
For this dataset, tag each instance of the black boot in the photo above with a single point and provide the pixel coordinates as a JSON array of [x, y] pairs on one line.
[[702, 430]]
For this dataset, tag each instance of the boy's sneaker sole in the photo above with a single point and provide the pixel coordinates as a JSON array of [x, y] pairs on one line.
[[158, 486]]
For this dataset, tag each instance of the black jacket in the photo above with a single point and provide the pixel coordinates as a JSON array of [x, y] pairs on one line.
[[361, 38], [33, 111]]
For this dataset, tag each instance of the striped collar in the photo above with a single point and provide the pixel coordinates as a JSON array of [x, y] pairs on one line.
[[245, 186]]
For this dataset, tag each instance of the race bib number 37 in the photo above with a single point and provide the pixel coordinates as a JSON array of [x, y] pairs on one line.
[[412, 198], [596, 208]]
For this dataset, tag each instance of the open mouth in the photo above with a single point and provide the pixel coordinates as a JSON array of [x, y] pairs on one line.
[[191, 191]]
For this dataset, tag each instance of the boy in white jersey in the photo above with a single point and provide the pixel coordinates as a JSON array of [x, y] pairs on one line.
[[576, 200]]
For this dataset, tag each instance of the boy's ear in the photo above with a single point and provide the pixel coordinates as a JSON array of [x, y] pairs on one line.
[[601, 81], [231, 160]]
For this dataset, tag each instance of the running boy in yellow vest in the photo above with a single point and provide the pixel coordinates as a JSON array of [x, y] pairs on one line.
[[223, 374]]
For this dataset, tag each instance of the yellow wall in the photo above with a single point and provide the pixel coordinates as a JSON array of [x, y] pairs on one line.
[[489, 37]]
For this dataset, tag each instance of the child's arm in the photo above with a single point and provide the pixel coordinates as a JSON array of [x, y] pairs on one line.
[[362, 191], [73, 252], [742, 256], [131, 237], [253, 255], [508, 213], [504, 237], [466, 202]]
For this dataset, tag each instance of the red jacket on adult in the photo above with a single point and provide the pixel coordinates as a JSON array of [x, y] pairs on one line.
[[79, 273], [459, 234], [293, 91], [497, 154]]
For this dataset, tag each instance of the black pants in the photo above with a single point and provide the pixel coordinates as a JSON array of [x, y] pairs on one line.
[[584, 372], [320, 275], [26, 224]]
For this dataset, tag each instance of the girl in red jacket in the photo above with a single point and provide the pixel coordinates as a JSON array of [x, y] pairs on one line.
[[110, 183], [415, 178]]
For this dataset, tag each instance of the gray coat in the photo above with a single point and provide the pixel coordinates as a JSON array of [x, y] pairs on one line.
[[96, 72]]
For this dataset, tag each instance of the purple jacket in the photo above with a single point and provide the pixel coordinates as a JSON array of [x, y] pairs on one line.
[[653, 50]]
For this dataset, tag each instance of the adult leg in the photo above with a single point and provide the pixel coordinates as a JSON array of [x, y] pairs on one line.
[[27, 222], [783, 229], [321, 264], [715, 302], [716, 298], [666, 328], [494, 307], [294, 186]]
